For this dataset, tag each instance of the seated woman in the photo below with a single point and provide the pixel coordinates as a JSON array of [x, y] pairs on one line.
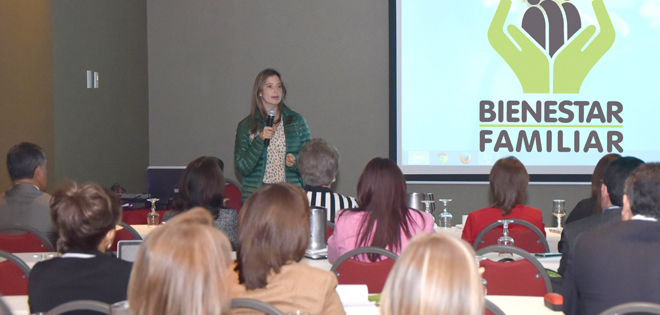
[[436, 274], [203, 185], [273, 234], [508, 184], [86, 217], [182, 268], [383, 219]]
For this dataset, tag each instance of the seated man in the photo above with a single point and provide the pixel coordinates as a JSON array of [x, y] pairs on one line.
[[318, 163], [611, 193], [26, 203], [619, 263]]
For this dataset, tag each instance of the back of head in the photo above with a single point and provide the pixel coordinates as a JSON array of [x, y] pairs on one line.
[[382, 195], [435, 274], [182, 268], [23, 159], [642, 187], [273, 229], [508, 183], [84, 215], [318, 162], [202, 185], [599, 172], [615, 177]]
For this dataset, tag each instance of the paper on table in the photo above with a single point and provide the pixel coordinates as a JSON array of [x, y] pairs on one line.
[[352, 295]]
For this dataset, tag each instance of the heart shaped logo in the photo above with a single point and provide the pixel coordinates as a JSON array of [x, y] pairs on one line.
[[547, 14]]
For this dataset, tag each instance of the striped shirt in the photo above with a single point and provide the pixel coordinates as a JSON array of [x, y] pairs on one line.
[[324, 197]]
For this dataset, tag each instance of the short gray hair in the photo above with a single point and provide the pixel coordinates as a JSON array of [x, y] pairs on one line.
[[318, 162]]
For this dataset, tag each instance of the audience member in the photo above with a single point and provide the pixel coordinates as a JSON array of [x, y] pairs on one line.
[[508, 185], [383, 218], [619, 263], [273, 234], [318, 162], [591, 205], [611, 194], [182, 268], [203, 185], [436, 274], [26, 203], [86, 217]]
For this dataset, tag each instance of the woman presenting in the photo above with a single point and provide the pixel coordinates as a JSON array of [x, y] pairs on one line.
[[276, 162]]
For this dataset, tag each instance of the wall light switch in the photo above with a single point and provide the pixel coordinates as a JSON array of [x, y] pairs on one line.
[[96, 80], [89, 79]]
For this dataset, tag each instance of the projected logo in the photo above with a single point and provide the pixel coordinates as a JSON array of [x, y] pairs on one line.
[[572, 61]]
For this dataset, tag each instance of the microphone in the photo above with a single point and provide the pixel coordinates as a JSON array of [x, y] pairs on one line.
[[269, 123]]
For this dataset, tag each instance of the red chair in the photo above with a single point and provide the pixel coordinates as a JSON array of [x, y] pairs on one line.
[[139, 216], [127, 233], [27, 240], [233, 195], [373, 274], [524, 277], [14, 274], [525, 235]]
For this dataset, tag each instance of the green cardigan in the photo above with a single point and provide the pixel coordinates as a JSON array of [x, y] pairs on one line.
[[250, 154]]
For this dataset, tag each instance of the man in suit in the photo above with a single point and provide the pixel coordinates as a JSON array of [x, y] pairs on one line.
[[26, 203], [619, 263], [614, 179]]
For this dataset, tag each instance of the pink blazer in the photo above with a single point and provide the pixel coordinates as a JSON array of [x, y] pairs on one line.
[[344, 238]]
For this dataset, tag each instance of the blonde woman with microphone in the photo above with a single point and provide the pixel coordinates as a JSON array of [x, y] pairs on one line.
[[268, 140]]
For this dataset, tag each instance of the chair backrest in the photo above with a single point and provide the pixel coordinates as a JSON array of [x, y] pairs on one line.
[[14, 274], [525, 236], [491, 308], [525, 276], [4, 308], [233, 194], [373, 274], [25, 239], [80, 305], [127, 233], [256, 305], [633, 307]]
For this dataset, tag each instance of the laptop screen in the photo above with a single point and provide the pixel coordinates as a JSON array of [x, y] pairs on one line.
[[163, 181], [127, 250]]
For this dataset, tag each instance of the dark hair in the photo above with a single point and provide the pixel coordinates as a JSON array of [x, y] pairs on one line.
[[23, 159], [508, 184], [257, 108], [597, 179], [642, 187], [615, 177], [382, 196], [202, 185], [273, 229], [318, 162], [83, 215]]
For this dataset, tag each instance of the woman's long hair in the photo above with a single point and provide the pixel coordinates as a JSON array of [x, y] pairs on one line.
[[382, 196], [256, 104], [508, 184], [597, 179], [273, 229], [436, 274], [202, 185]]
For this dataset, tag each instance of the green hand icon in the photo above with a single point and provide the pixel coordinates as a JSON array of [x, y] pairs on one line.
[[530, 64], [573, 64]]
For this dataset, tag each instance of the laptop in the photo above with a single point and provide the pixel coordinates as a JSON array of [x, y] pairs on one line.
[[163, 181], [127, 250]]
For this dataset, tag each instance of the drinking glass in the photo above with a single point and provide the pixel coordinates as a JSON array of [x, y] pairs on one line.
[[445, 217], [427, 205], [558, 210], [153, 218], [505, 239], [429, 196]]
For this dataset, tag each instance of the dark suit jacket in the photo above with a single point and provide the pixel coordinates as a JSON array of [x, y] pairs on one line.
[[584, 209], [27, 205], [572, 232], [59, 280], [614, 265]]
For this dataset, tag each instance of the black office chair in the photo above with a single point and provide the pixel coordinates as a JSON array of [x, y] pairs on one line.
[[255, 305], [80, 305], [633, 307]]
